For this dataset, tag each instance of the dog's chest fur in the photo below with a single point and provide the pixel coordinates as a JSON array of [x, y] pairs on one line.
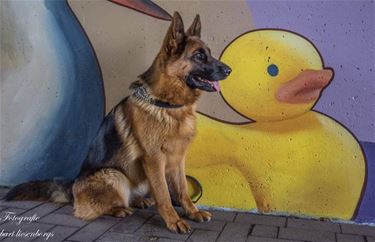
[[170, 130], [149, 130], [180, 133]]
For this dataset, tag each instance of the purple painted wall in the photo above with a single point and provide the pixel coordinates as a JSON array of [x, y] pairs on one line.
[[344, 33]]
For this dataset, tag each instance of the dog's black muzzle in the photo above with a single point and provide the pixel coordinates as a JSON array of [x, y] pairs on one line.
[[220, 71], [207, 76]]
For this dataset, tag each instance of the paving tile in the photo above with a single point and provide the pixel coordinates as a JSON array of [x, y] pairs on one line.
[[129, 224], [153, 210], [169, 240], [150, 210], [213, 225], [109, 217], [67, 209], [25, 231], [370, 239], [156, 220], [63, 219], [19, 204], [203, 236], [260, 219], [358, 229], [234, 232], [262, 239], [150, 239], [93, 230], [264, 231], [143, 213], [159, 231], [313, 224], [42, 210], [16, 211], [350, 238], [223, 215], [4, 218], [2, 208], [306, 234], [59, 233], [116, 237]]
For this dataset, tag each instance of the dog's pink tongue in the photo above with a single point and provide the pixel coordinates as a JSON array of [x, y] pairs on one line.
[[216, 86]]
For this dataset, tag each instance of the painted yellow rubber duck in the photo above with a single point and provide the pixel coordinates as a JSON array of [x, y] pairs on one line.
[[290, 158]]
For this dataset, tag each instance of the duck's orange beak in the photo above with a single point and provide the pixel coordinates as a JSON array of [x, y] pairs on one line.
[[306, 87], [146, 7]]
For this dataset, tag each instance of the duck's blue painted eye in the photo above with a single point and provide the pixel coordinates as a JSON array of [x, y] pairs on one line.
[[273, 70]]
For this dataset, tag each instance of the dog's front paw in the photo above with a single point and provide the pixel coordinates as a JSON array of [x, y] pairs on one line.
[[200, 216], [181, 226]]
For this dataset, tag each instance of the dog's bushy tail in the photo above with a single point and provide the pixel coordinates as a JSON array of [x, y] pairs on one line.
[[58, 191]]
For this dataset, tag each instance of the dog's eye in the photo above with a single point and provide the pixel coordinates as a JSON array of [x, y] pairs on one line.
[[273, 70], [200, 56]]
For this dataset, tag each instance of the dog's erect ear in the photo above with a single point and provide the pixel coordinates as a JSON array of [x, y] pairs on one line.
[[195, 28], [175, 35]]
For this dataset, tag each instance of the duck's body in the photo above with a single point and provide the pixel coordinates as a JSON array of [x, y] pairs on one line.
[[310, 165]]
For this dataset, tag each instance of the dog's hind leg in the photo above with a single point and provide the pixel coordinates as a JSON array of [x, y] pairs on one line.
[[139, 193], [143, 202], [105, 192], [123, 187]]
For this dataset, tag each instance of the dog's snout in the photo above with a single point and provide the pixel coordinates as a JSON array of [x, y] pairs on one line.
[[226, 69], [223, 68]]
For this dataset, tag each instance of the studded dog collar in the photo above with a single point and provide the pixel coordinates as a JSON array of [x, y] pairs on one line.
[[141, 93]]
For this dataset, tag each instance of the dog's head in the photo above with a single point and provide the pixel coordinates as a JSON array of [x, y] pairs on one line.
[[186, 56]]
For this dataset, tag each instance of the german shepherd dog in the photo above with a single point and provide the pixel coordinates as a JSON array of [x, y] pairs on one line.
[[141, 144]]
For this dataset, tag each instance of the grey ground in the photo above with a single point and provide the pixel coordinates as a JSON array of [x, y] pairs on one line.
[[146, 225]]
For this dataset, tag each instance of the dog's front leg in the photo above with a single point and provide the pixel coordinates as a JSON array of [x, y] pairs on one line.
[[179, 185], [154, 167]]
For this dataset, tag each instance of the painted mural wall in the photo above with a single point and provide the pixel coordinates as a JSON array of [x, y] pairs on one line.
[[292, 130], [51, 91]]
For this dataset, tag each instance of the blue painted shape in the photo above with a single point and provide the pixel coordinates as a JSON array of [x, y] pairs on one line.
[[61, 147], [273, 70], [366, 212]]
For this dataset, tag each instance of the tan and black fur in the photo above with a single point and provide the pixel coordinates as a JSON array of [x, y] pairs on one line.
[[141, 147]]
